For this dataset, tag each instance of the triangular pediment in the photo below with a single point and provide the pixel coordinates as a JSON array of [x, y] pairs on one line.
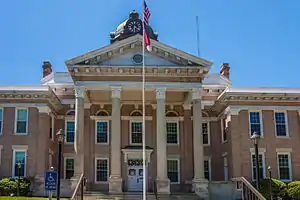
[[121, 54]]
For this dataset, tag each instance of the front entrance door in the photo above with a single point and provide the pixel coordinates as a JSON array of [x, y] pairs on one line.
[[135, 175]]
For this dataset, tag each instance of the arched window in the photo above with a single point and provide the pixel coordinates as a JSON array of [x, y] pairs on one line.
[[102, 113], [136, 113], [71, 113], [172, 113]]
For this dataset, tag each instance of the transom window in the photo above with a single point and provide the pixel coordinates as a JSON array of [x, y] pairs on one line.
[[255, 123], [70, 131], [261, 162], [1, 120], [280, 123], [136, 132], [284, 166], [205, 133], [71, 113], [21, 120], [19, 163], [172, 132], [69, 168], [207, 169], [173, 170], [102, 171], [102, 131]]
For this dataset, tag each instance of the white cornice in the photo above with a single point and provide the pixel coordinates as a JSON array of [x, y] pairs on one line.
[[135, 118], [22, 88], [44, 109], [262, 90], [260, 150], [25, 105], [264, 107]]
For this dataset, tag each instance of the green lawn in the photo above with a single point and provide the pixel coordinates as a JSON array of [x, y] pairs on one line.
[[26, 198]]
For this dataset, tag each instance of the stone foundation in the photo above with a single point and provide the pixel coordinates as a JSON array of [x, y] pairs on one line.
[[115, 185], [201, 188], [163, 186]]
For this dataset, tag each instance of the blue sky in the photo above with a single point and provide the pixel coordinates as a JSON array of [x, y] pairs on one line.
[[259, 38]]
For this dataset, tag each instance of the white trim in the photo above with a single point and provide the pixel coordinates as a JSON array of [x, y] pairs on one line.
[[52, 127], [272, 108], [44, 109], [226, 168], [290, 166], [207, 119], [95, 170], [263, 163], [223, 128], [69, 120], [70, 110], [108, 132], [208, 133], [286, 123], [23, 105], [1, 123], [135, 118], [178, 167], [136, 153], [18, 149], [206, 158], [65, 164], [172, 120], [16, 120], [130, 130], [102, 110], [94, 117], [260, 150], [260, 120], [262, 90], [284, 150]]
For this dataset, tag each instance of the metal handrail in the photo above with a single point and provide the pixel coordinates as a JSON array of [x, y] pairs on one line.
[[248, 191], [155, 190], [80, 183]]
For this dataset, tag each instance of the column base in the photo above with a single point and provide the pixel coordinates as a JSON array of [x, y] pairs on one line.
[[200, 187], [163, 186], [115, 185]]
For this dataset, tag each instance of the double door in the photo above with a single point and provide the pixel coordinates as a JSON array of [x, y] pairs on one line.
[[135, 175]]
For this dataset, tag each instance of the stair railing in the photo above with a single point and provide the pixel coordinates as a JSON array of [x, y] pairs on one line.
[[79, 190], [248, 191]]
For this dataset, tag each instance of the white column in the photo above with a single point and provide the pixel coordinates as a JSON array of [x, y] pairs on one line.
[[197, 136], [115, 179], [79, 131], [163, 183]]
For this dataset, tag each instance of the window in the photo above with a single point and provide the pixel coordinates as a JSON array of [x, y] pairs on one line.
[[70, 131], [284, 166], [255, 123], [281, 124], [21, 121], [261, 162], [225, 161], [205, 133], [173, 170], [69, 168], [19, 163], [102, 171], [172, 132], [136, 132], [1, 120], [102, 132], [224, 130], [207, 169], [51, 134]]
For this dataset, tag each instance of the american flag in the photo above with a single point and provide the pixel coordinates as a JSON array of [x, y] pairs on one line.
[[146, 34]]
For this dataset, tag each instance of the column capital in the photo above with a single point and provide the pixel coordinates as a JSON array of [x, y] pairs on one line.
[[115, 92], [160, 93], [79, 91], [196, 93]]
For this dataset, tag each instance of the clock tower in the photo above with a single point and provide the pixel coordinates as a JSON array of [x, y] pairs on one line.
[[132, 26]]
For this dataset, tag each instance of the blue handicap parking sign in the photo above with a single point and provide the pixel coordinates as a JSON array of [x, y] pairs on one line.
[[50, 180]]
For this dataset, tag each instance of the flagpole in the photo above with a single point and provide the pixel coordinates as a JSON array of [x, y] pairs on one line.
[[144, 110]]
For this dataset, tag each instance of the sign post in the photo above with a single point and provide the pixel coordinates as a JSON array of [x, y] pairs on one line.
[[50, 182]]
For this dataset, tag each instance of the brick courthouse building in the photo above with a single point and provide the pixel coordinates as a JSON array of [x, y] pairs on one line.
[[197, 124]]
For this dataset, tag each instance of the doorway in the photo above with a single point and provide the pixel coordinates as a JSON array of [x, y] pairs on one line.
[[135, 175]]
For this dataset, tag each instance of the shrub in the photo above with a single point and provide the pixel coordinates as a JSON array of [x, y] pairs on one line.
[[10, 186], [293, 189], [279, 188]]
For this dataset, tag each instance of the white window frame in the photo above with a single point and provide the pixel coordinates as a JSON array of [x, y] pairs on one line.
[[16, 120], [69, 120], [286, 123], [208, 132], [178, 166], [290, 166], [95, 171], [223, 127], [65, 164], [52, 127], [260, 119], [130, 129], [50, 158], [1, 122], [209, 166], [19, 148], [263, 164], [108, 131], [173, 120]]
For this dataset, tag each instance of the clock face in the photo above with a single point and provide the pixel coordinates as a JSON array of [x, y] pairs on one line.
[[134, 26]]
